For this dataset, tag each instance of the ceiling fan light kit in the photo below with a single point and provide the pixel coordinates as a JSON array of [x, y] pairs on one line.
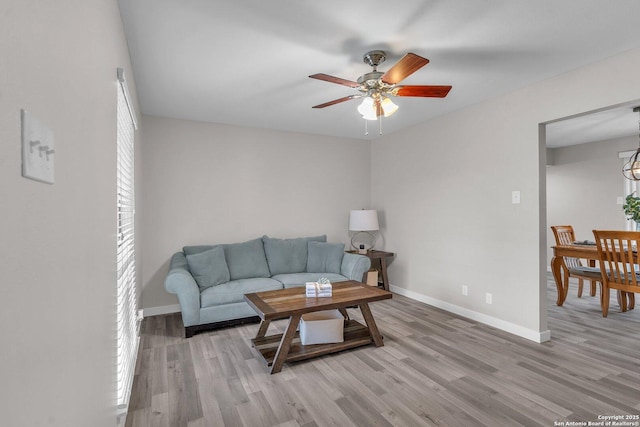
[[373, 107], [376, 87]]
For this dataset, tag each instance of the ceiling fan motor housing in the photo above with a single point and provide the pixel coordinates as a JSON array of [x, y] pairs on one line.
[[374, 58], [370, 80]]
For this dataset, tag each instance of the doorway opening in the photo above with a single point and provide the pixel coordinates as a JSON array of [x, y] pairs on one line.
[[581, 181]]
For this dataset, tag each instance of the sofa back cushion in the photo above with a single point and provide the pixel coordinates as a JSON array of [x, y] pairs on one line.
[[190, 250], [209, 267], [246, 260], [288, 255], [324, 257]]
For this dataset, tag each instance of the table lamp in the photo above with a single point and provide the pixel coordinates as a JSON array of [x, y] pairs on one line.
[[364, 221]]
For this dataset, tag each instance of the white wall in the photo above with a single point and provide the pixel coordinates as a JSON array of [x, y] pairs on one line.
[[445, 188], [208, 183], [583, 183], [57, 242]]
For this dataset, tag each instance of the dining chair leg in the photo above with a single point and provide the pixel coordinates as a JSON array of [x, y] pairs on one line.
[[592, 263], [601, 292], [628, 301], [622, 299], [604, 300], [619, 297], [580, 284]]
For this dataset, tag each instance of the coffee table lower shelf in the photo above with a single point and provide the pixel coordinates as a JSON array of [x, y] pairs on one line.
[[355, 335]]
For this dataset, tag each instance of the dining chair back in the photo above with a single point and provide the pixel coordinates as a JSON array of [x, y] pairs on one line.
[[573, 267], [618, 254]]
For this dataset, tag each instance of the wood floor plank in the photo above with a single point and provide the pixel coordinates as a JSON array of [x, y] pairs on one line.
[[159, 414], [321, 407], [435, 369]]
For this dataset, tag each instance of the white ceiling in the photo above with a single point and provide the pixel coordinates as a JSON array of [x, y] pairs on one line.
[[610, 123], [247, 62]]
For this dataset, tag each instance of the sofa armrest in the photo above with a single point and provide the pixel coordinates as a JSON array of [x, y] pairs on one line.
[[354, 266], [179, 281]]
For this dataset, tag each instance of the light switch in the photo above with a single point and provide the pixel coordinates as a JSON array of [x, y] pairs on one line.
[[515, 197], [38, 151]]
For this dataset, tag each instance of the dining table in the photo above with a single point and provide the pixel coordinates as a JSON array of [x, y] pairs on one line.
[[581, 250]]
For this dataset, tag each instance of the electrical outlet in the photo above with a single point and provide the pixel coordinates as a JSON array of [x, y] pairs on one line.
[[465, 290], [488, 298], [620, 200]]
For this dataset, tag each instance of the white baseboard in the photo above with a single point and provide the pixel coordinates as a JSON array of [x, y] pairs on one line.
[[165, 309], [503, 325]]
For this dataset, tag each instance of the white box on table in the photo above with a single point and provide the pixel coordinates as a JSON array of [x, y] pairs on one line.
[[322, 327], [315, 289]]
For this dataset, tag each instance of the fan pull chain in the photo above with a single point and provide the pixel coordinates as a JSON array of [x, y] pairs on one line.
[[366, 126]]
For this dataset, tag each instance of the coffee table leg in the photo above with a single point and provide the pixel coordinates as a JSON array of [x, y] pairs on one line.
[[262, 331], [371, 324], [285, 344], [344, 313]]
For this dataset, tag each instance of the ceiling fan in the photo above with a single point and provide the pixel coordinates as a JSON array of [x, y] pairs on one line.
[[376, 87]]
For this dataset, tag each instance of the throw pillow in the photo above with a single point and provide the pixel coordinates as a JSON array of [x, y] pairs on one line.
[[246, 260], [209, 268], [286, 256], [325, 257]]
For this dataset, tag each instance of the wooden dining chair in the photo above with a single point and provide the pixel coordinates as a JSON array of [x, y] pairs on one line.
[[572, 267], [618, 254]]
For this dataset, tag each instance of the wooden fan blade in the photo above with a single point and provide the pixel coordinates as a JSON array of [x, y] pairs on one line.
[[332, 79], [337, 101], [423, 91], [408, 64]]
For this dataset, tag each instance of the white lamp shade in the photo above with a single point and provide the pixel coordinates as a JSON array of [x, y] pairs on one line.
[[364, 220]]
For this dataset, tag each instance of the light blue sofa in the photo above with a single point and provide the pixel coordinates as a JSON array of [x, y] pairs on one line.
[[210, 281]]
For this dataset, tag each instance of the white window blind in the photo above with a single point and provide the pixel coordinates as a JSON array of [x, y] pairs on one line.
[[127, 304]]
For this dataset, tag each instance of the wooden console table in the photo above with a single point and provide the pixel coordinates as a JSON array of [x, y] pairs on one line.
[[379, 257]]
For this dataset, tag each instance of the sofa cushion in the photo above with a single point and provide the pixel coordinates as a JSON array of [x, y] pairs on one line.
[[288, 255], [190, 250], [324, 257], [246, 260], [299, 279], [233, 291], [209, 268]]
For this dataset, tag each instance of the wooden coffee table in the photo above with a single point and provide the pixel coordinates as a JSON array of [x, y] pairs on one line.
[[292, 303]]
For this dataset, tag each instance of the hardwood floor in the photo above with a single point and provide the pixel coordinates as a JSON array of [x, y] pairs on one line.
[[435, 369]]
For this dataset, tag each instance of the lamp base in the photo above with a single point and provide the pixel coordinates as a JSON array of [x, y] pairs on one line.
[[373, 239]]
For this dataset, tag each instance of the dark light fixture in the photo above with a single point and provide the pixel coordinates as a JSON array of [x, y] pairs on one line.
[[631, 170]]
